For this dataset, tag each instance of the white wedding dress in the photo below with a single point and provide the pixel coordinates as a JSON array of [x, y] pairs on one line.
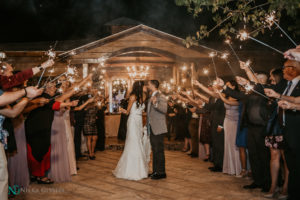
[[133, 164]]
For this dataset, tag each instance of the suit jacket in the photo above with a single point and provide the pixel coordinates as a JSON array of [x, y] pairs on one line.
[[292, 120], [156, 115]]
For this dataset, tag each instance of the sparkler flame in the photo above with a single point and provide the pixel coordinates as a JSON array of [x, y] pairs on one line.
[[225, 56], [243, 35], [71, 79], [51, 71], [205, 71], [70, 70], [212, 54], [227, 41], [247, 63], [270, 18], [249, 87], [76, 89], [51, 54]]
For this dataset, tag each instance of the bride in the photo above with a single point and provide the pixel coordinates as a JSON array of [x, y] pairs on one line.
[[133, 164]]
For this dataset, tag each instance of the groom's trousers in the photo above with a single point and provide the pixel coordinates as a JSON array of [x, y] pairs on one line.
[[157, 144]]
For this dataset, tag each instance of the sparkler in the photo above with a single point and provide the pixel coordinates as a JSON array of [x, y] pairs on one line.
[[70, 71], [51, 55], [205, 72], [212, 55], [271, 19], [227, 41], [243, 35], [248, 87]]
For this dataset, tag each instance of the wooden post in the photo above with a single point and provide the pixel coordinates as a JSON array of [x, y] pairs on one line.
[[85, 70], [192, 78]]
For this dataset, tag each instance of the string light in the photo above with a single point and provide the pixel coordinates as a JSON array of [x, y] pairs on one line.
[[184, 68]]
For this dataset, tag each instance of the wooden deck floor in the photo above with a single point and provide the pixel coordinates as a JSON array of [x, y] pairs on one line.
[[188, 178]]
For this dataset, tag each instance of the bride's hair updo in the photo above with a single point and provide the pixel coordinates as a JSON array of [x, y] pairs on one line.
[[137, 90]]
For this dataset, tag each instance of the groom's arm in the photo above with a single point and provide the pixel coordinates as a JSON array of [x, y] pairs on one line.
[[161, 105]]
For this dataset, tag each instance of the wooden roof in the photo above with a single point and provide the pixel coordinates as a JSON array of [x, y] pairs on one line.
[[139, 45]]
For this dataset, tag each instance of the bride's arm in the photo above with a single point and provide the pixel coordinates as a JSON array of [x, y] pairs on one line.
[[130, 103]]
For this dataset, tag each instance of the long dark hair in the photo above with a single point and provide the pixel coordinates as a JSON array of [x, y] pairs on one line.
[[137, 90], [235, 85]]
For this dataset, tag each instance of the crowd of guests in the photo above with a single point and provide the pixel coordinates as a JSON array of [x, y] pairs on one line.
[[42, 128], [246, 127]]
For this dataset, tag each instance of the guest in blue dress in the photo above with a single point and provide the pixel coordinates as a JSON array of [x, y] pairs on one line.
[[241, 142]]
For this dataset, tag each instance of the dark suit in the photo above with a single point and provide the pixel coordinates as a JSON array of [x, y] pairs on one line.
[[292, 151], [217, 115]]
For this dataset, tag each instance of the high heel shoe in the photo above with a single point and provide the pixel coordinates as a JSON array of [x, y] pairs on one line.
[[206, 158], [92, 157], [243, 174], [271, 195], [47, 181]]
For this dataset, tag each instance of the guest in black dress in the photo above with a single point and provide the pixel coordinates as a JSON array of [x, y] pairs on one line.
[[90, 128], [101, 128], [123, 121], [38, 135], [170, 119]]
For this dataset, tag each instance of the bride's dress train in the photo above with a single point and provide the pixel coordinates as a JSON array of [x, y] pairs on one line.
[[133, 164]]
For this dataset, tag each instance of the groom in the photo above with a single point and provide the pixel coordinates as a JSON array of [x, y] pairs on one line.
[[157, 127]]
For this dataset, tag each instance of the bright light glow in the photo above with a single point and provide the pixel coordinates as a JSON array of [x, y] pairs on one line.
[[184, 68], [51, 71], [205, 71], [2, 55], [70, 70], [247, 63], [51, 54], [243, 35], [76, 89], [71, 79], [172, 81], [270, 19], [103, 71], [224, 56], [212, 54], [227, 41], [248, 87]]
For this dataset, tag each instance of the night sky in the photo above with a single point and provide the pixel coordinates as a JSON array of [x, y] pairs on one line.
[[51, 20], [46, 20]]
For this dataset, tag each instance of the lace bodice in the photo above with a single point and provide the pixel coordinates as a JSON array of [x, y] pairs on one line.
[[137, 110]]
